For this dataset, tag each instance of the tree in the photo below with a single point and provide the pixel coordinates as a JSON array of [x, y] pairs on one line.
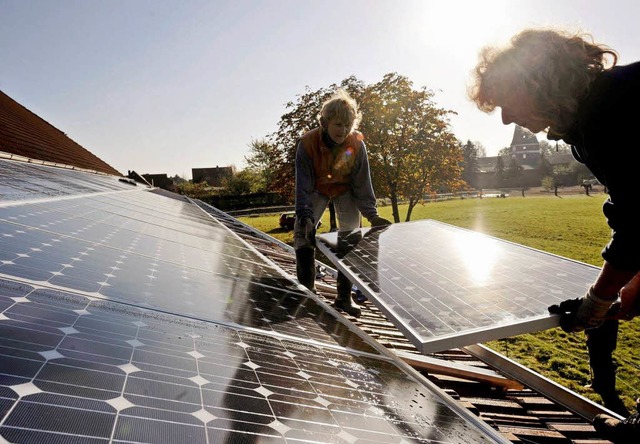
[[481, 151], [199, 190], [470, 163], [243, 182], [548, 149], [513, 173], [504, 152], [263, 164], [500, 173], [411, 149], [580, 171], [412, 152], [178, 180], [546, 169]]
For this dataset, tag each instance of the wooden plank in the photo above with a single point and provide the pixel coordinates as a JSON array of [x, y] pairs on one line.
[[450, 368]]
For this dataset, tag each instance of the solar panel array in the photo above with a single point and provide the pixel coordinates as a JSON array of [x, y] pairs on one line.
[[448, 287], [127, 316]]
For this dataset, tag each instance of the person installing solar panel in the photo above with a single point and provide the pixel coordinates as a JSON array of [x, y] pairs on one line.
[[332, 164], [568, 85]]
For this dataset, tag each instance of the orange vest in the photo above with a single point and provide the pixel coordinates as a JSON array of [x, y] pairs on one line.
[[332, 167]]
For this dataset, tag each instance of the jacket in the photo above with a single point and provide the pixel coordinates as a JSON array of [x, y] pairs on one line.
[[333, 172], [605, 139]]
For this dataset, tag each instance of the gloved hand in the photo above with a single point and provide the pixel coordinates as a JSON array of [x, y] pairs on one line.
[[309, 230], [581, 313], [378, 221], [629, 306]]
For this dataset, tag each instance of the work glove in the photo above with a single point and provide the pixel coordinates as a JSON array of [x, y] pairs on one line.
[[378, 221], [581, 313], [309, 230]]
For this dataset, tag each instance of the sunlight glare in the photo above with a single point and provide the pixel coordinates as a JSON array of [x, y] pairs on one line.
[[462, 27], [479, 255]]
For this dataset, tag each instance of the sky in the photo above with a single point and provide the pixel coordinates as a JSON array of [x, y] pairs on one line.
[[160, 86]]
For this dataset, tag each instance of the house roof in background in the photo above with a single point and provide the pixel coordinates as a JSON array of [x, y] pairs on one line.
[[26, 134]]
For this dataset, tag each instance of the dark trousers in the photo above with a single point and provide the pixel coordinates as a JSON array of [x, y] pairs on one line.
[[601, 342]]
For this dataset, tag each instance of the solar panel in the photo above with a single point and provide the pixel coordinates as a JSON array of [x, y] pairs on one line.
[[447, 287], [127, 316]]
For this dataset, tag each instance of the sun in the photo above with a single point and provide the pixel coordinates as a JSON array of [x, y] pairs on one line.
[[461, 28]]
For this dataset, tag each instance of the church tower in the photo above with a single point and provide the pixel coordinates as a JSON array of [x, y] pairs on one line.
[[525, 148]]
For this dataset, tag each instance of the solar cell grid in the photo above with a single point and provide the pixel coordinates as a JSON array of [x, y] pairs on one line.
[[447, 287], [113, 373], [131, 317], [227, 285], [21, 181]]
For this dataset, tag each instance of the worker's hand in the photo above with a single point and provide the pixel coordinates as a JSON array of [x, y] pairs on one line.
[[378, 221], [629, 305], [308, 228], [581, 313]]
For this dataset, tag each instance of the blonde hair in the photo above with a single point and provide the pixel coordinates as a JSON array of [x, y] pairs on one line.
[[552, 68], [342, 106]]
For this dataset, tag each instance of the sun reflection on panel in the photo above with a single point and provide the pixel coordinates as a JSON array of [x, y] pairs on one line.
[[479, 255]]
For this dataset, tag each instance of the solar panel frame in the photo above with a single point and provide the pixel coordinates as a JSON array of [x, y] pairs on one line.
[[394, 280]]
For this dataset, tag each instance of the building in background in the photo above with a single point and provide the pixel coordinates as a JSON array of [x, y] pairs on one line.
[[160, 181], [213, 176], [525, 148]]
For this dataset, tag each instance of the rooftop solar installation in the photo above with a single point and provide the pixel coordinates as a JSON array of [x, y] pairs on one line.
[[127, 316], [447, 287]]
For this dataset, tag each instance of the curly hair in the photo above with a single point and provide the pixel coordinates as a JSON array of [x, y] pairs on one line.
[[342, 106], [552, 68]]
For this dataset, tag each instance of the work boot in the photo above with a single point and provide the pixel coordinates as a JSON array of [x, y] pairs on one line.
[[306, 267], [343, 301], [619, 432], [615, 404]]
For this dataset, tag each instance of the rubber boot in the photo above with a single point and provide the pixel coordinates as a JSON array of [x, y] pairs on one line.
[[344, 301], [620, 432], [306, 267], [601, 343]]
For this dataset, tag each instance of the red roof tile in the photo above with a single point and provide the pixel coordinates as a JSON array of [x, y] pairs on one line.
[[24, 133]]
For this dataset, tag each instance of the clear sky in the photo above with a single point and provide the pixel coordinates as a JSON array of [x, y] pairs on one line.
[[160, 86]]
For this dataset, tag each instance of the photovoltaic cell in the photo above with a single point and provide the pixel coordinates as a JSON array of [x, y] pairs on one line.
[[127, 316], [78, 369], [447, 287]]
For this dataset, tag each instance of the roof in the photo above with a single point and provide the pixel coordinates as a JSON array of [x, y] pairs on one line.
[[522, 136], [25, 134]]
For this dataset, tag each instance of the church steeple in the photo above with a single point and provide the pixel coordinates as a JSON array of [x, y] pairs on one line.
[[525, 147]]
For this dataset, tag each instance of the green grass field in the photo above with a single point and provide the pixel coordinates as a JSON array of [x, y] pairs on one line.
[[571, 226]]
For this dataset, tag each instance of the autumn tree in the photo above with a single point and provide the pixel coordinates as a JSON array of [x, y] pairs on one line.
[[412, 152], [411, 149]]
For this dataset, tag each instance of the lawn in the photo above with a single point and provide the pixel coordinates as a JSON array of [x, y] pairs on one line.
[[568, 225]]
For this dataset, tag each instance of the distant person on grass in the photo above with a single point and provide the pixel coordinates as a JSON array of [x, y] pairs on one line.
[[332, 164], [571, 87]]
